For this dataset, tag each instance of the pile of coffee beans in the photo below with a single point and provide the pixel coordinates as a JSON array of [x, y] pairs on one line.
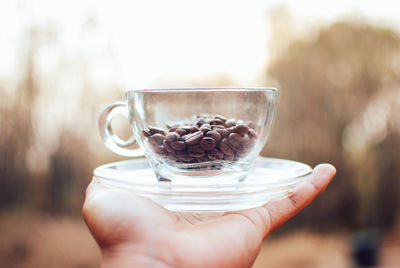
[[207, 138]]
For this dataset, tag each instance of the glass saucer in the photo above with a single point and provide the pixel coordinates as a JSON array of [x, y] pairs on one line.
[[268, 178]]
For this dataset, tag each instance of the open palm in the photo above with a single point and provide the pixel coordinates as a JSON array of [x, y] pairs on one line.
[[133, 231]]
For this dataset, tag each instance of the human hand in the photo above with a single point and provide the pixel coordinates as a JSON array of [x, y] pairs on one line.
[[133, 231]]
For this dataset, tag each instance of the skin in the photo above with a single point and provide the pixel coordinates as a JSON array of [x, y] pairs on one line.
[[132, 231]]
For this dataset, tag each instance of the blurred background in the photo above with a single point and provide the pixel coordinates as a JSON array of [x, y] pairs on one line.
[[337, 67]]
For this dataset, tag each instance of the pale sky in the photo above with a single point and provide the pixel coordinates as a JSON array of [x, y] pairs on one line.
[[140, 43]]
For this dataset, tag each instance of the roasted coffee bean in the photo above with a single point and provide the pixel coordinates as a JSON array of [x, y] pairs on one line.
[[251, 125], [230, 123], [184, 157], [187, 159], [195, 149], [194, 138], [234, 139], [184, 137], [186, 130], [205, 128], [167, 147], [228, 157], [230, 129], [193, 129], [156, 139], [196, 155], [241, 149], [155, 130], [178, 145], [172, 136], [214, 127], [215, 154], [202, 159], [159, 149], [208, 143], [181, 131], [225, 147], [214, 134], [241, 129], [216, 122], [212, 157], [245, 139], [200, 122], [252, 134], [171, 157], [220, 117], [218, 153], [146, 132], [223, 132]]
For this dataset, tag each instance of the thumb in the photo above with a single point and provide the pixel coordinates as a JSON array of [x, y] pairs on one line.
[[283, 209]]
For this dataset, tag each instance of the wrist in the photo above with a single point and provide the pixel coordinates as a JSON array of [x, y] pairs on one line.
[[114, 259], [133, 261]]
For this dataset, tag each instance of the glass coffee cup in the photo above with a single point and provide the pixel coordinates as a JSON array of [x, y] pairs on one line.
[[194, 135]]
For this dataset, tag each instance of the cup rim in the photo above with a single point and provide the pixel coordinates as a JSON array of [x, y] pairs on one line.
[[199, 89]]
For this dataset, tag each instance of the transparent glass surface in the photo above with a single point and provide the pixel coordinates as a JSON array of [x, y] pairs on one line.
[[268, 178], [201, 134]]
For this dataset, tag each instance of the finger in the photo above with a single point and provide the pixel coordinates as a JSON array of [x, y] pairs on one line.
[[281, 210], [102, 212], [255, 224], [93, 188]]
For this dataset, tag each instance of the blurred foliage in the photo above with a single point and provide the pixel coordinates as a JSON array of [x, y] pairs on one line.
[[328, 87], [16, 135], [336, 104], [59, 187]]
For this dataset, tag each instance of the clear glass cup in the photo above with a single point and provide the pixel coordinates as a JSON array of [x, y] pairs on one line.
[[194, 135]]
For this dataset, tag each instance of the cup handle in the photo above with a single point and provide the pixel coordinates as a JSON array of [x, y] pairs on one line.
[[111, 140]]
